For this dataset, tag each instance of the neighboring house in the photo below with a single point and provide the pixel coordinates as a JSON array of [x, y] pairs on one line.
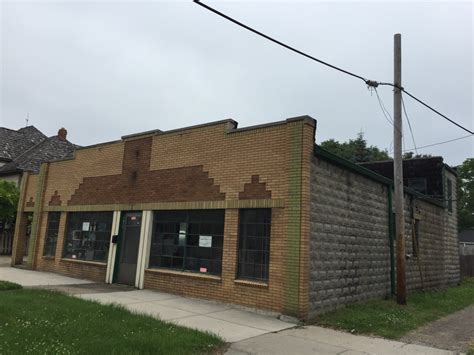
[[466, 241], [15, 143], [23, 151], [258, 216]]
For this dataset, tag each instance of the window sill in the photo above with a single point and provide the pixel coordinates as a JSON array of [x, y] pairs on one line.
[[47, 257], [193, 275], [258, 284], [87, 262]]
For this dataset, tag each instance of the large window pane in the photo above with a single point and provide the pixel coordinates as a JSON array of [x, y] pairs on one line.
[[188, 240], [254, 244], [51, 236], [88, 235]]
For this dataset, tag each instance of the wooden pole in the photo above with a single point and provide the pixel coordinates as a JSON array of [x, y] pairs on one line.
[[398, 171]]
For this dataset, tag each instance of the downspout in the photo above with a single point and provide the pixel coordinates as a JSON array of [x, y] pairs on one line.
[[391, 238]]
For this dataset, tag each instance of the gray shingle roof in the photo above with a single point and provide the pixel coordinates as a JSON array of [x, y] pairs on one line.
[[13, 143], [27, 148]]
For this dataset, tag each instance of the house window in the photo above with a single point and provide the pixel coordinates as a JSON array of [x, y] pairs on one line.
[[254, 244], [450, 195], [188, 241], [51, 234], [88, 235]]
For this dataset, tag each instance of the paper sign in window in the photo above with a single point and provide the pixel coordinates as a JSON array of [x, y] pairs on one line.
[[182, 234], [86, 226], [205, 241]]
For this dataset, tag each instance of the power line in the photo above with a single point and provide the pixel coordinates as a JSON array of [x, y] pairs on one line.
[[388, 117], [431, 108], [409, 125], [439, 113], [280, 43], [439, 143], [384, 110], [370, 83]]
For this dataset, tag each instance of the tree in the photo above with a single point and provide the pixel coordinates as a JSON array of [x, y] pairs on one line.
[[466, 194], [9, 195], [411, 155], [356, 150]]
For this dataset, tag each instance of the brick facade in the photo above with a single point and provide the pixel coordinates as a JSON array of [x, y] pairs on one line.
[[209, 166], [329, 242]]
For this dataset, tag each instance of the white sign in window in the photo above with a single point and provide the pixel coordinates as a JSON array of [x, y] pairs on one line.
[[85, 226], [205, 241], [182, 234]]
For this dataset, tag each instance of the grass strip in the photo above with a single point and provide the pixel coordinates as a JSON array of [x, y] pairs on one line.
[[48, 322], [387, 319]]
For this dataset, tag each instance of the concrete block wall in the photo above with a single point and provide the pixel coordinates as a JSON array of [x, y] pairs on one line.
[[438, 241], [349, 245], [453, 268]]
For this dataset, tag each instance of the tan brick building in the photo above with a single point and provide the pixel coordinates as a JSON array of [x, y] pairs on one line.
[[208, 211]]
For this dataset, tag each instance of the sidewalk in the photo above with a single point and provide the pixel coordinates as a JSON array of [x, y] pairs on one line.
[[250, 332], [230, 322], [316, 340]]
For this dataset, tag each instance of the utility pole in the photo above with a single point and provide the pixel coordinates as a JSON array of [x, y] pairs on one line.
[[398, 171]]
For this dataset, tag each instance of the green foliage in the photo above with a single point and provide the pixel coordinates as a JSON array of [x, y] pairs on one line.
[[466, 194], [388, 319], [9, 195], [411, 155], [5, 286], [46, 322], [356, 150]]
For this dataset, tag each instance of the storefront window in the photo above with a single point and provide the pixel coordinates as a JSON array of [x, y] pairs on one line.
[[88, 235], [188, 240], [254, 244], [51, 236]]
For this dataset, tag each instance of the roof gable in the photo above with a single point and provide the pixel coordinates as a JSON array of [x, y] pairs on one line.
[[14, 143]]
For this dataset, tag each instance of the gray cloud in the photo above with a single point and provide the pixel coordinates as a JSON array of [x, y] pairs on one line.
[[106, 69]]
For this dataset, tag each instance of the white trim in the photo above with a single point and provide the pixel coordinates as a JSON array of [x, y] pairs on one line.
[[112, 248], [144, 248]]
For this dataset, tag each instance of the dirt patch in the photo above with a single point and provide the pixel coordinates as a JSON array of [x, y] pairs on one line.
[[454, 332]]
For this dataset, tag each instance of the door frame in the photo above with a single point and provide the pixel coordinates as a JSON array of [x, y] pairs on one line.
[[113, 264]]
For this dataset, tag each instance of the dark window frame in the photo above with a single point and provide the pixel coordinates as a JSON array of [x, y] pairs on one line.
[[415, 238], [51, 235], [254, 230], [176, 238], [449, 194], [91, 245]]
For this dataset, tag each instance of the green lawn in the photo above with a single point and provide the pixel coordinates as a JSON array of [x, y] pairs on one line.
[[5, 285], [47, 322], [471, 350], [387, 319]]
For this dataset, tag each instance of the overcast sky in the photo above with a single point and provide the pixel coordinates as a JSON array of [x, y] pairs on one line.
[[106, 69]]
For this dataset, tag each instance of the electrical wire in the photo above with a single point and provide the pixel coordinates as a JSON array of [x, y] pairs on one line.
[[384, 110], [278, 42], [409, 125], [370, 83], [389, 118], [439, 143], [429, 107]]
